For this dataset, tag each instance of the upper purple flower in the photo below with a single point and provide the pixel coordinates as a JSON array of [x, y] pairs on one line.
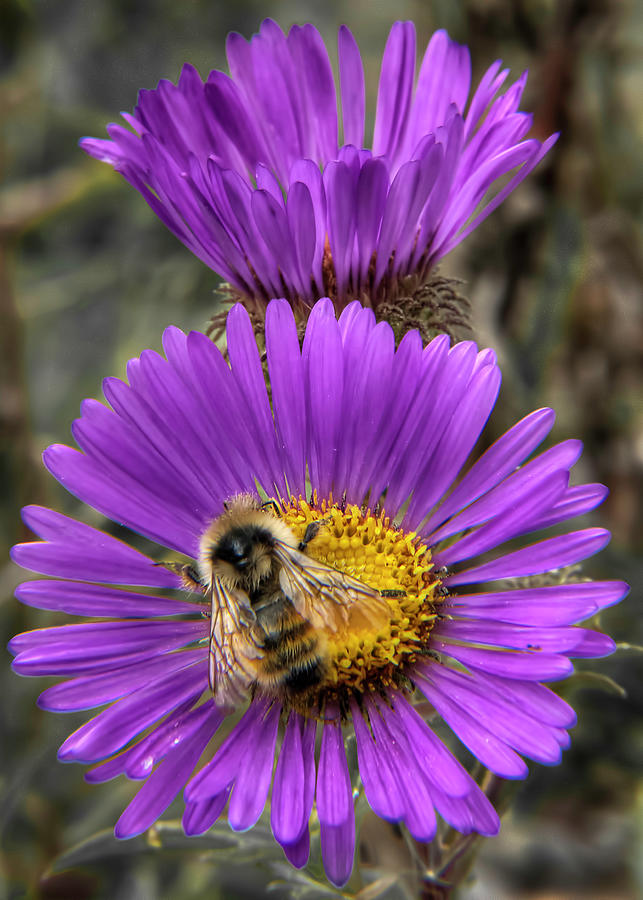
[[352, 423], [262, 178]]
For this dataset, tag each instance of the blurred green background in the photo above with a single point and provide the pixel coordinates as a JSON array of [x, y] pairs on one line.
[[89, 277]]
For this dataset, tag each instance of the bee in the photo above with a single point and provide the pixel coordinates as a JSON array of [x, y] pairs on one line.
[[272, 605]]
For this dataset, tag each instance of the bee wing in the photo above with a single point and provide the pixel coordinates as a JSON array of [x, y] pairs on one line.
[[326, 597], [232, 651]]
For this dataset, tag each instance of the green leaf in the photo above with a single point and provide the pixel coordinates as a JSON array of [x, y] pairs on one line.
[[594, 680], [252, 846]]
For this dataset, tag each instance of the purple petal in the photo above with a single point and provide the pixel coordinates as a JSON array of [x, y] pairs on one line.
[[535, 700], [518, 637], [508, 522], [575, 501], [110, 769], [297, 853], [338, 850], [507, 721], [221, 399], [78, 599], [312, 67], [490, 84], [340, 184], [164, 784], [370, 201], [409, 191], [470, 193], [395, 88], [122, 499], [232, 197], [302, 228], [491, 751], [309, 174], [396, 419], [176, 729], [105, 637], [510, 492], [248, 373], [252, 783], [230, 108], [159, 393], [368, 365], [200, 817], [222, 769], [112, 729], [496, 463], [563, 604], [288, 395], [539, 152], [473, 812], [445, 378], [333, 794], [456, 442], [287, 814], [419, 815], [272, 224], [592, 644], [436, 762], [351, 79], [84, 693], [554, 553], [324, 371], [78, 551], [444, 78], [88, 648], [533, 666], [138, 761], [379, 780]]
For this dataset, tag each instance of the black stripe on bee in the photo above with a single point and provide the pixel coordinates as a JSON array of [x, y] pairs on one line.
[[302, 678], [237, 544]]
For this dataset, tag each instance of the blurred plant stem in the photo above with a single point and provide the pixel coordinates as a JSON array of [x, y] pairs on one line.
[[21, 206], [19, 472], [444, 864]]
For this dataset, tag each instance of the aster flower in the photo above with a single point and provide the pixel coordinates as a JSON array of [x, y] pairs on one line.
[[373, 440], [248, 170]]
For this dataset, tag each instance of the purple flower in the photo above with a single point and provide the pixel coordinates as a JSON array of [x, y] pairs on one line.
[[355, 419], [248, 170]]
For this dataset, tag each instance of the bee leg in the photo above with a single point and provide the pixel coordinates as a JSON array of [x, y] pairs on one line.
[[188, 574], [392, 593], [274, 506], [310, 533]]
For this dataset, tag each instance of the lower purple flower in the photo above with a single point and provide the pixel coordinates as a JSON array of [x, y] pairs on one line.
[[353, 425]]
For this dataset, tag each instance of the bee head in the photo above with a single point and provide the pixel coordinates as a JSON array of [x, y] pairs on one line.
[[235, 548], [244, 554]]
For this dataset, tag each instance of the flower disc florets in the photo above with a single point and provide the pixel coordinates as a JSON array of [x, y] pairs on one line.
[[372, 657], [264, 180]]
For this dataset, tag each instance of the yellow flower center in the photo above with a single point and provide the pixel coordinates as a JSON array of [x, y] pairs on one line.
[[365, 545]]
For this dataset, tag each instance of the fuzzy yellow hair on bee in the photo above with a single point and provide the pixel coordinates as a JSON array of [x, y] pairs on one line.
[[272, 605]]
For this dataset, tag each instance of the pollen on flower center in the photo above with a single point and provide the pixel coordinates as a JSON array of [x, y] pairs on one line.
[[366, 657]]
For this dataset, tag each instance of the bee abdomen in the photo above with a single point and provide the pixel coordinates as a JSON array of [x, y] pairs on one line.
[[284, 632], [292, 659], [301, 678], [287, 655]]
